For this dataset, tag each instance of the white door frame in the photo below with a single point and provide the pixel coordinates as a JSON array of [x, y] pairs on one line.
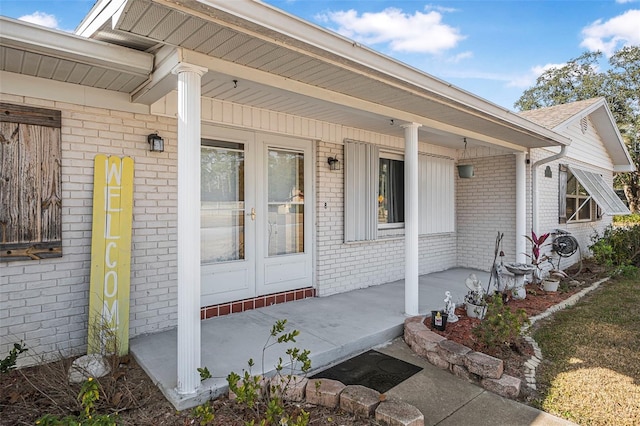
[[259, 274]]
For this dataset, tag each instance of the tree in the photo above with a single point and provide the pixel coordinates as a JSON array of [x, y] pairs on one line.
[[582, 79]]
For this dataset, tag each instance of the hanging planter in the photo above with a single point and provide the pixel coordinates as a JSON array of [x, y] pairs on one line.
[[465, 171]]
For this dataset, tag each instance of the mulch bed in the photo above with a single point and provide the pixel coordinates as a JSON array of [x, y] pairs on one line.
[[536, 302]]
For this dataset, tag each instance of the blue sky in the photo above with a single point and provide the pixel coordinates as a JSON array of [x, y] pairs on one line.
[[494, 49]]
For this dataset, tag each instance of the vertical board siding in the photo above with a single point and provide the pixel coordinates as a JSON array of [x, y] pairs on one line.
[[361, 179], [30, 190], [436, 195]]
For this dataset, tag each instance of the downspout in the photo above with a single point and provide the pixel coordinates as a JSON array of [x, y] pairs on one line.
[[534, 185]]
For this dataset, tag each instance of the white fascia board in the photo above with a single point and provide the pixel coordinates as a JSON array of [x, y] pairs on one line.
[[262, 77], [101, 12], [277, 20], [615, 142], [162, 80], [59, 44]]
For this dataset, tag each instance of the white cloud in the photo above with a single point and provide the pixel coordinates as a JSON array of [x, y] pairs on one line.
[[460, 57], [608, 36], [403, 32], [41, 18], [529, 79]]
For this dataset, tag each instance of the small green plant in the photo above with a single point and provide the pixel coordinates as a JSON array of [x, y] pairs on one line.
[[9, 362], [500, 326], [204, 374], [88, 396], [267, 404], [203, 414]]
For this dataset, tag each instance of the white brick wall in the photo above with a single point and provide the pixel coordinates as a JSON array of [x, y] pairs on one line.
[[342, 267], [45, 302], [485, 205]]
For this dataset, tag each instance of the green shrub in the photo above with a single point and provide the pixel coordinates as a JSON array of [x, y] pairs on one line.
[[88, 396], [9, 362], [500, 325], [265, 405], [617, 248], [627, 220]]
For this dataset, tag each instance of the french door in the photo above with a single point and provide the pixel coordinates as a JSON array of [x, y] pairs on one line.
[[256, 214]]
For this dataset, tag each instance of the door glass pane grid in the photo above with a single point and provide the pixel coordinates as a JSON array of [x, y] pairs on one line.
[[222, 212], [285, 203]]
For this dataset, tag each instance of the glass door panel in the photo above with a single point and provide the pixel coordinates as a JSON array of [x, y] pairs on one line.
[[285, 203], [222, 212]]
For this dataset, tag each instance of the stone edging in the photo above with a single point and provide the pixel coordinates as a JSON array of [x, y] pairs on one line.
[[354, 399], [532, 364], [477, 366]]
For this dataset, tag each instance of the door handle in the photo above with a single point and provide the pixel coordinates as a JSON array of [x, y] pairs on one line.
[[252, 214]]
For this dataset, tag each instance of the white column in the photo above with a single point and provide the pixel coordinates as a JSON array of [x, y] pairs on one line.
[[521, 207], [411, 273], [189, 77]]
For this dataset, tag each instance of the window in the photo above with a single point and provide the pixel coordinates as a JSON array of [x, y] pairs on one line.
[[579, 203], [391, 190], [374, 192], [585, 196], [30, 183]]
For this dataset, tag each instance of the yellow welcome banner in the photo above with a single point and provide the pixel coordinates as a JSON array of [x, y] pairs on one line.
[[110, 255]]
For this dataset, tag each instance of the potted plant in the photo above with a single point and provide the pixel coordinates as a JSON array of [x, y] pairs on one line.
[[536, 256], [548, 280], [474, 300]]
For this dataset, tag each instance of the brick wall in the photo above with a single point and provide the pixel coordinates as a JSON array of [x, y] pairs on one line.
[[347, 266], [45, 302], [485, 205]]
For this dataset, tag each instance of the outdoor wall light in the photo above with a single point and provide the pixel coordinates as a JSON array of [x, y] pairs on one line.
[[334, 163], [156, 143]]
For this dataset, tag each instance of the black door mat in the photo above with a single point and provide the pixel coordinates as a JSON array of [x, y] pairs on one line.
[[372, 369]]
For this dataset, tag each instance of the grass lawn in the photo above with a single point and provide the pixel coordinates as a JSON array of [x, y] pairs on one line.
[[591, 368]]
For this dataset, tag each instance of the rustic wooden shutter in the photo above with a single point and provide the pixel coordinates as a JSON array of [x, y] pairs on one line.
[[30, 183], [562, 194]]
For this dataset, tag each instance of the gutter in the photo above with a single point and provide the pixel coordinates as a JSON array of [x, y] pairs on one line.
[[534, 185]]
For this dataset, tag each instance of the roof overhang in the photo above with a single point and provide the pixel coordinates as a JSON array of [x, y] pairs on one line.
[[292, 66], [42, 52], [600, 192], [605, 124]]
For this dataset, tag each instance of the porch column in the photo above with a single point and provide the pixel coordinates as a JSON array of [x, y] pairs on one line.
[[188, 226], [411, 271], [521, 207]]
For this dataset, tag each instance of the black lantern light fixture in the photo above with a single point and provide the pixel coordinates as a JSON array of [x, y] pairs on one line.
[[334, 163], [156, 143]]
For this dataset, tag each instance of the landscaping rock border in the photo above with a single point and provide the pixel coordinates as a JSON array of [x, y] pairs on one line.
[[485, 370], [353, 399]]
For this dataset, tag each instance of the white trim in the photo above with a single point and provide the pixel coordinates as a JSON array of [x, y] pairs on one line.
[[270, 17], [57, 91], [59, 44]]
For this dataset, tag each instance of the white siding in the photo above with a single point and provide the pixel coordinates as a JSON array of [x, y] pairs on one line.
[[587, 147]]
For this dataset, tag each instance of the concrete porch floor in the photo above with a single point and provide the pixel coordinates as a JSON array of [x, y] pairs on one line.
[[333, 328]]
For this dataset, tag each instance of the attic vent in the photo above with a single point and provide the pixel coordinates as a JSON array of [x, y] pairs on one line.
[[584, 124]]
